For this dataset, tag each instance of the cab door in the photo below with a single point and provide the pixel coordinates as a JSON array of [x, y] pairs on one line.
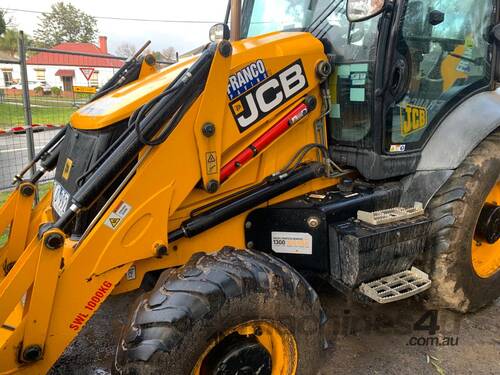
[[446, 56], [398, 74]]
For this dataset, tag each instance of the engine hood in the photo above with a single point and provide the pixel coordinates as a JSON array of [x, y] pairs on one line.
[[121, 103]]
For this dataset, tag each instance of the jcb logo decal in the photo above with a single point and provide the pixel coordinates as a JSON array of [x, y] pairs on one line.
[[67, 168], [256, 103], [412, 118]]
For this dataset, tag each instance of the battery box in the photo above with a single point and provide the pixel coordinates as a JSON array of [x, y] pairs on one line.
[[361, 252], [319, 232]]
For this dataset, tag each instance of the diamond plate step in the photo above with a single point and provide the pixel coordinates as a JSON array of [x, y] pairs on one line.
[[396, 287], [391, 215]]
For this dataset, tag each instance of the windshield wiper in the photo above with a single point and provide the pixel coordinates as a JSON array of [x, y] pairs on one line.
[[323, 16]]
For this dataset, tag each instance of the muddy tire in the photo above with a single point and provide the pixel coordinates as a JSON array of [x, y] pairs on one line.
[[172, 327], [455, 211]]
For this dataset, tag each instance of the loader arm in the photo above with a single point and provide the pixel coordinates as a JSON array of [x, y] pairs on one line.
[[148, 221], [15, 217]]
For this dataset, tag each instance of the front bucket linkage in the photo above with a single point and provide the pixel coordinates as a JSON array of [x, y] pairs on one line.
[[15, 220]]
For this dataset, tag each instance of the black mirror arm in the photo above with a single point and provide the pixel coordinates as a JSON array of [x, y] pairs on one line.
[[495, 34]]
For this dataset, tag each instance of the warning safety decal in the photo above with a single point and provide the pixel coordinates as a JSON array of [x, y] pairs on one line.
[[117, 216], [211, 162]]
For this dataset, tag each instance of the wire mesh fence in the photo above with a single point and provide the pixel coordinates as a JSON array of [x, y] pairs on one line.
[[40, 90], [14, 153], [50, 110], [46, 107]]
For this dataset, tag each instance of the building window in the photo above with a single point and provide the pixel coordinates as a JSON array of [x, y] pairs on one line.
[[94, 79], [7, 77], [40, 74]]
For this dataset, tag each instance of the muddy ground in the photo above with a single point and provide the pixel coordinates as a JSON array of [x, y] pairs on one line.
[[376, 340]]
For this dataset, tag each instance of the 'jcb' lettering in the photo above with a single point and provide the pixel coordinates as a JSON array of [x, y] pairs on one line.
[[413, 118], [269, 91], [269, 95]]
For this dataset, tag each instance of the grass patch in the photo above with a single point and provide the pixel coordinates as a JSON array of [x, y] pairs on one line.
[[54, 101], [5, 234], [13, 115], [3, 196], [43, 189], [3, 238]]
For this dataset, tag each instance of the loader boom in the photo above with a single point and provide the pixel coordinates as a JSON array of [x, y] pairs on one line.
[[247, 147], [59, 283]]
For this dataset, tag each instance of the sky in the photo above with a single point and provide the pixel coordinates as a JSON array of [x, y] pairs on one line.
[[182, 36]]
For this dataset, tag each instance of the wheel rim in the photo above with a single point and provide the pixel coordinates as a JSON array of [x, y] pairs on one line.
[[239, 348], [486, 256]]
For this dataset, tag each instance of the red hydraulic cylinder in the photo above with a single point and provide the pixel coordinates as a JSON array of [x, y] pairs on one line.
[[264, 140]]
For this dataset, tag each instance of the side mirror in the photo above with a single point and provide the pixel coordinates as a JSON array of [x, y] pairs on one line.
[[436, 17], [218, 32], [361, 10]]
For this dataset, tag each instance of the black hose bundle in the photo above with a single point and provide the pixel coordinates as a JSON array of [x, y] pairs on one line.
[[133, 123], [165, 110], [140, 114], [127, 73]]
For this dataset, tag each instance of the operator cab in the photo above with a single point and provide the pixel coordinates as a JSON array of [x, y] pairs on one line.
[[398, 71]]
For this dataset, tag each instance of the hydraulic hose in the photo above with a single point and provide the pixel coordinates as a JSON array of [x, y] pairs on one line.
[[184, 92], [127, 73], [272, 188], [48, 163], [55, 141]]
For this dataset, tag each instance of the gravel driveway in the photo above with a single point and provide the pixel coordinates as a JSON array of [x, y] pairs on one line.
[[376, 340]]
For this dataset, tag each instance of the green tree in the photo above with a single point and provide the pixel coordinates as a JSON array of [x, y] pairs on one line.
[[3, 22], [9, 40], [65, 23]]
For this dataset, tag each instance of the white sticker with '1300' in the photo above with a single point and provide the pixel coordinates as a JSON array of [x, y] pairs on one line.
[[256, 103], [291, 243]]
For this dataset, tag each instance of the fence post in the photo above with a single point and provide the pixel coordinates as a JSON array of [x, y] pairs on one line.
[[26, 101]]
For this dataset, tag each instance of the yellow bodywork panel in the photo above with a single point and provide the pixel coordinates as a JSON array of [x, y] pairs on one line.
[[276, 338], [486, 256], [161, 193], [15, 218]]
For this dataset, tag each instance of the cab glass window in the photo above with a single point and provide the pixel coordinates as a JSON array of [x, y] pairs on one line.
[[264, 16], [352, 82], [445, 47], [276, 15]]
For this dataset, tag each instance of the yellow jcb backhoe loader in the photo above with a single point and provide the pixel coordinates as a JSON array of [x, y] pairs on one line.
[[356, 140]]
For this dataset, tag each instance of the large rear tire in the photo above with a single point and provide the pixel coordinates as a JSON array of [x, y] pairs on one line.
[[235, 310], [464, 268]]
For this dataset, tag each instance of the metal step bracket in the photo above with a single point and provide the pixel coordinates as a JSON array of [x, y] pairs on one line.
[[396, 287], [391, 215]]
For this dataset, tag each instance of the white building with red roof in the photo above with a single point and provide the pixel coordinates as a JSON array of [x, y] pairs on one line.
[[63, 70]]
